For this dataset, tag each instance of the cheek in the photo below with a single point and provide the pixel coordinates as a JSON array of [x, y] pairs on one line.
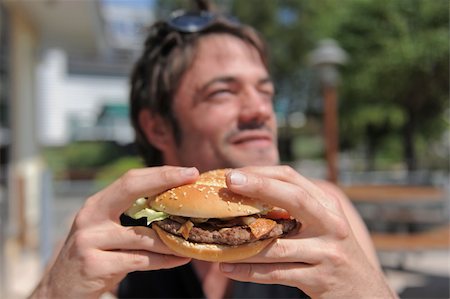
[[202, 130], [215, 119], [207, 123]]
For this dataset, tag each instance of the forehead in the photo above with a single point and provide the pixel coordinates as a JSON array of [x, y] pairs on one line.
[[224, 54], [221, 46]]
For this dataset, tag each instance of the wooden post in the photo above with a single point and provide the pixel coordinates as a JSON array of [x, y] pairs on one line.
[[331, 131]]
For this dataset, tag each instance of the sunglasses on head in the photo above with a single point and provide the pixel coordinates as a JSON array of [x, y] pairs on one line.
[[190, 22]]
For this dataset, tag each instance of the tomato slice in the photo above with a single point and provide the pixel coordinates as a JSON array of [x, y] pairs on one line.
[[278, 214]]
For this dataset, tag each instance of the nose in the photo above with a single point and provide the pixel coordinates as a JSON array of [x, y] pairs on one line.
[[256, 108]]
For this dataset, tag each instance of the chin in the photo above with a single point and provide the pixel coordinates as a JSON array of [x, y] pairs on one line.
[[258, 159], [237, 159]]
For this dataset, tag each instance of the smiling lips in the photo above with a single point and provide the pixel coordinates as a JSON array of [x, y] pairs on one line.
[[255, 138]]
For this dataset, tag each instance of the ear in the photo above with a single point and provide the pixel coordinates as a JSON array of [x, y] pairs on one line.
[[156, 129]]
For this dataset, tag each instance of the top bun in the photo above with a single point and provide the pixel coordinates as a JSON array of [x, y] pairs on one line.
[[208, 197]]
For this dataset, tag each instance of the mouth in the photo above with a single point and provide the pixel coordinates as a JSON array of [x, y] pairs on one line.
[[253, 139]]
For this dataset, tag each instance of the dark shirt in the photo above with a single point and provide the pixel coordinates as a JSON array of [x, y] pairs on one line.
[[183, 282]]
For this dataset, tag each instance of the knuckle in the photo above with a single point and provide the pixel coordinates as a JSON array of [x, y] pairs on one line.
[[260, 184], [139, 260], [247, 271], [166, 261], [278, 274], [166, 168], [335, 257], [89, 261], [342, 229], [299, 197], [130, 174], [166, 174], [126, 181], [281, 249], [139, 236], [81, 219], [80, 240], [288, 171], [91, 202]]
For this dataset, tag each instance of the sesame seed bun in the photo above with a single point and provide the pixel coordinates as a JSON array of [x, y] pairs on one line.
[[208, 197], [210, 252]]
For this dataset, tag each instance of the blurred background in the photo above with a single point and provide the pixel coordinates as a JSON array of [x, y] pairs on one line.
[[362, 100]]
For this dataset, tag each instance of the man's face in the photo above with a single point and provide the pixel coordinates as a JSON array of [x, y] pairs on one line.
[[224, 108]]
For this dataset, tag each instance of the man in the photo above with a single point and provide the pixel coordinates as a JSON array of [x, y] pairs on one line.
[[202, 99]]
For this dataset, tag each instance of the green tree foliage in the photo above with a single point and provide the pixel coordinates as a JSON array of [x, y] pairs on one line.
[[397, 80], [83, 158], [110, 172], [284, 25]]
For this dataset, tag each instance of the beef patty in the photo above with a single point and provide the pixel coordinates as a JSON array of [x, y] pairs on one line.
[[216, 233]]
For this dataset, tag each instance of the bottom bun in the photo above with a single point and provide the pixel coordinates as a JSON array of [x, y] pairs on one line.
[[210, 252]]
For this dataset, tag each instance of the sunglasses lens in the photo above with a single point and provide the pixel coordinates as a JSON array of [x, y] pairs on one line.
[[191, 22]]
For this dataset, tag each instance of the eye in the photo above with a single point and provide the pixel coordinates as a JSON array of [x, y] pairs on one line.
[[221, 93], [268, 92]]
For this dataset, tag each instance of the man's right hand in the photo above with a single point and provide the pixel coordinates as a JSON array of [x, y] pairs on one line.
[[98, 251]]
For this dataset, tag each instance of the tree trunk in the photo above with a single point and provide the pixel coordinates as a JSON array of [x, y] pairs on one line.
[[409, 147], [371, 145]]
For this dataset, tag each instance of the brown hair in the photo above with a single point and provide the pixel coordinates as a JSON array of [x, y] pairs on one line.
[[166, 56]]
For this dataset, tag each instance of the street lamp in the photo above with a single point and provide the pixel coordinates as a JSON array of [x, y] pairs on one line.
[[325, 59]]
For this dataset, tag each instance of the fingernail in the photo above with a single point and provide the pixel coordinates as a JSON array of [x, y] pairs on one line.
[[227, 268], [188, 171], [238, 178]]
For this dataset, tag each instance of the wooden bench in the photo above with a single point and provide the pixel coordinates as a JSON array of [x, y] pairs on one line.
[[393, 193], [400, 207], [434, 239]]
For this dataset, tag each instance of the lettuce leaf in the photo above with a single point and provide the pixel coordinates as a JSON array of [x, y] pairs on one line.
[[140, 210]]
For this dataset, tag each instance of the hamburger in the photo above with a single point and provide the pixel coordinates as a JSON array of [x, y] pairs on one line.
[[206, 221]]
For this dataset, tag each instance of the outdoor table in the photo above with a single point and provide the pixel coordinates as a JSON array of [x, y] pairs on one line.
[[399, 208]]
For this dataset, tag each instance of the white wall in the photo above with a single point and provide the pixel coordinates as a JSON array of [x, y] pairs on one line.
[[61, 95]]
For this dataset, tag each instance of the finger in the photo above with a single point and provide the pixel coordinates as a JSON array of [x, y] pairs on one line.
[[295, 250], [138, 260], [290, 197], [137, 183], [116, 237], [281, 273], [281, 172], [289, 175]]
